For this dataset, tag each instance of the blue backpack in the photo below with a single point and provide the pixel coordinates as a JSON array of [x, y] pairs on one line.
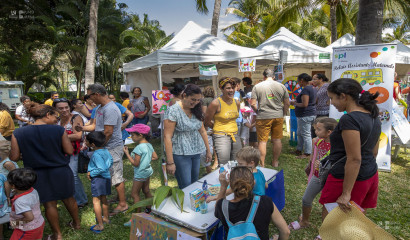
[[242, 230]]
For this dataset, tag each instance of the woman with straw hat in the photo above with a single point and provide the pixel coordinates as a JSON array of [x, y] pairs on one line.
[[355, 143]]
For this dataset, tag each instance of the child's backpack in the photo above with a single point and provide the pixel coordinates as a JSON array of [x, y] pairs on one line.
[[242, 230]]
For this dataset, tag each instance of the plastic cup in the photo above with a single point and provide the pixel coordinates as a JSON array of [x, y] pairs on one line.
[[203, 207]]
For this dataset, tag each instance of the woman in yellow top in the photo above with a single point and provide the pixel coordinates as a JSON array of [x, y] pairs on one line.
[[6, 122], [221, 116]]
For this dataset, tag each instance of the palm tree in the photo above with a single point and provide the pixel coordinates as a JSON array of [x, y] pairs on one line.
[[400, 33], [202, 8], [369, 22], [92, 44]]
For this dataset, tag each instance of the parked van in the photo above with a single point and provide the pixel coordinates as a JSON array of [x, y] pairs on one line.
[[10, 93]]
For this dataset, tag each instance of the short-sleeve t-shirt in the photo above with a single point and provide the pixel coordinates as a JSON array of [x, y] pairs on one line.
[[144, 170], [310, 110], [109, 115], [186, 139], [259, 188], [363, 123], [25, 203], [270, 96], [238, 211]]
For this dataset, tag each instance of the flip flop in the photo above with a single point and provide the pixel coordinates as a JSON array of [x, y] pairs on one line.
[[71, 225], [127, 224], [95, 230], [294, 226], [109, 221], [116, 211]]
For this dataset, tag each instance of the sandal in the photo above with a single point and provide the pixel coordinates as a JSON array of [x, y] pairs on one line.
[[318, 237], [72, 226], [294, 226], [95, 230], [116, 211]]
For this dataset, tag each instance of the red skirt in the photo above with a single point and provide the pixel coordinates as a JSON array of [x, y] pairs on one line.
[[364, 193]]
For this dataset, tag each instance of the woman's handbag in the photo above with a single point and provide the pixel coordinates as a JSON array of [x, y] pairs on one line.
[[325, 165], [83, 161]]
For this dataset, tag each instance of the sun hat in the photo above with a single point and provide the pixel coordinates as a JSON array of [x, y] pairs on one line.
[[353, 225], [139, 128]]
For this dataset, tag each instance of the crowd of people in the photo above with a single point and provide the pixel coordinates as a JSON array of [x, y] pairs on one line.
[[198, 129]]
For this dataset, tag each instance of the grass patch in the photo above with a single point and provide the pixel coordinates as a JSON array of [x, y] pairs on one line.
[[391, 214]]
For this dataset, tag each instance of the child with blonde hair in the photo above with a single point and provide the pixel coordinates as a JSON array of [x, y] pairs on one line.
[[6, 165]]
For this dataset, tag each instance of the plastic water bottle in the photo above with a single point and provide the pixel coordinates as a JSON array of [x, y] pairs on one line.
[[221, 168]]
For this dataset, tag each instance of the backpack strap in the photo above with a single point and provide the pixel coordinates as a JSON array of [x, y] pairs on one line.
[[225, 211], [254, 208]]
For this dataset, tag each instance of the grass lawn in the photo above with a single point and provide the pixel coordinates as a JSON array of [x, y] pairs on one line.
[[392, 212]]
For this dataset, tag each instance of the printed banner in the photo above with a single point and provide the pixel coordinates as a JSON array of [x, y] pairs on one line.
[[208, 70], [400, 123], [279, 74], [247, 65], [160, 101], [125, 88], [373, 67]]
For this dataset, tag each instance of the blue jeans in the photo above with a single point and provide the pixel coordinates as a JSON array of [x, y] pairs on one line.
[[187, 169], [304, 134], [79, 193], [143, 120]]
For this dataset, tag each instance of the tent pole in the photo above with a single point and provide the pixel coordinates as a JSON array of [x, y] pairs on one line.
[[159, 77], [163, 165], [215, 84]]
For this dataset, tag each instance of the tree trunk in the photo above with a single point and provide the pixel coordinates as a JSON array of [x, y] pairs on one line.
[[215, 17], [333, 20], [369, 22], [92, 44]]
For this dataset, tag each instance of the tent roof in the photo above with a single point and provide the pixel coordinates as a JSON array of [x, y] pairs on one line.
[[402, 55], [194, 45], [299, 50], [346, 40]]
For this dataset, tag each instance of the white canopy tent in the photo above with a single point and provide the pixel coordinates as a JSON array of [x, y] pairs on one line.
[[297, 54], [180, 57], [402, 55], [296, 48]]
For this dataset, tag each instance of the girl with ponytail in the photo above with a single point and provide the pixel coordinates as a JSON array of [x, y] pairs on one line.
[[355, 143], [242, 182]]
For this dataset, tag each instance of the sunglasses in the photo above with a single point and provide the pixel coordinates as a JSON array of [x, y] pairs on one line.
[[57, 100]]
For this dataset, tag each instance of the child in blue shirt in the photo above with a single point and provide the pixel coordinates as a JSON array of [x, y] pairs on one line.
[[141, 158], [249, 157], [99, 174]]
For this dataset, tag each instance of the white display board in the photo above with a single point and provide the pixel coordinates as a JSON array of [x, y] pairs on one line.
[[373, 66], [400, 123], [195, 220]]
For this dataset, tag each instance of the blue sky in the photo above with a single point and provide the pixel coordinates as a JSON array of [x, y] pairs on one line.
[[174, 14]]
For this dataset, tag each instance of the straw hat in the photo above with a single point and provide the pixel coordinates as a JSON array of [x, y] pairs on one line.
[[353, 225]]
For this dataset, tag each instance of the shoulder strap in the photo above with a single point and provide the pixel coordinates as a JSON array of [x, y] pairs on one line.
[[225, 211], [254, 208]]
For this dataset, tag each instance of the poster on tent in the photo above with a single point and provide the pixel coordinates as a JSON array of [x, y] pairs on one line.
[[279, 75], [247, 65], [208, 70], [160, 101], [373, 67]]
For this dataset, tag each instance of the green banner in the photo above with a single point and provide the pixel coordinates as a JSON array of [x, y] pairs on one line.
[[208, 70]]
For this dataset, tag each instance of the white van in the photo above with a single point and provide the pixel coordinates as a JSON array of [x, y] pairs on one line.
[[10, 93]]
